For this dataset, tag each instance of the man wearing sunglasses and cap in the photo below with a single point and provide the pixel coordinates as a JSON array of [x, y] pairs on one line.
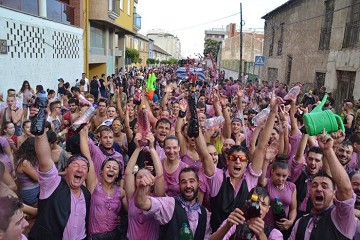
[[63, 206], [228, 190]]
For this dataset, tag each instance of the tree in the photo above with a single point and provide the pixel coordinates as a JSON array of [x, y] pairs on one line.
[[172, 61], [132, 54], [150, 61], [157, 61], [212, 46]]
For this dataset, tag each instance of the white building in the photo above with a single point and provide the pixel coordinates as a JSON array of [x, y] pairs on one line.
[[166, 41], [38, 50]]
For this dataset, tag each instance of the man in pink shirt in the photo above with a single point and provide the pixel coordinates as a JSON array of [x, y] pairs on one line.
[[332, 215], [12, 221], [64, 203], [175, 213]]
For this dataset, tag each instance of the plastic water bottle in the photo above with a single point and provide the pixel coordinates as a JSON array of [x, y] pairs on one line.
[[83, 101], [185, 232], [278, 209], [292, 95], [144, 126], [261, 116], [83, 119], [38, 121], [214, 122]]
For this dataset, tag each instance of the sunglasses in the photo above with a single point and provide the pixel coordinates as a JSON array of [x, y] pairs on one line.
[[237, 157]]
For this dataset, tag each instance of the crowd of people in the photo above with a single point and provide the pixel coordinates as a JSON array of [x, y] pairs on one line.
[[112, 179]]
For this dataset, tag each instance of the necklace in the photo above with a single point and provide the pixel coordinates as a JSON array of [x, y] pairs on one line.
[[280, 187]]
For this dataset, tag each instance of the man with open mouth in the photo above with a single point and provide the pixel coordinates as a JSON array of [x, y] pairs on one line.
[[333, 199]]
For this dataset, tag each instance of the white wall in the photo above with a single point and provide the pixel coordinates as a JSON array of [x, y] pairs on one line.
[[39, 50]]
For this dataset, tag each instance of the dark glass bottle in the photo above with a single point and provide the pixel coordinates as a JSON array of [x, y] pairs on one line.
[[278, 209], [39, 120], [193, 127]]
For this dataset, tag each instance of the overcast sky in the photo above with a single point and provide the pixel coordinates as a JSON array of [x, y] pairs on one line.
[[188, 19]]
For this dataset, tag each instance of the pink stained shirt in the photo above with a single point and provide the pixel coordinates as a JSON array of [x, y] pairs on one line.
[[163, 209], [172, 180], [217, 179], [141, 225], [274, 234], [75, 227], [355, 161], [104, 210], [343, 217]]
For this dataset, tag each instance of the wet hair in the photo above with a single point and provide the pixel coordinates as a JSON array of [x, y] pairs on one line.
[[316, 150], [171, 137], [281, 161], [324, 174], [25, 122], [190, 169], [75, 89], [104, 129], [260, 191], [74, 101], [355, 138], [237, 148], [48, 125], [73, 145], [52, 137], [102, 100], [4, 126], [162, 120], [9, 206], [27, 152]]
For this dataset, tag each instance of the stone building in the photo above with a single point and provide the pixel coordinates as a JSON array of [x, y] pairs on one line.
[[315, 43]]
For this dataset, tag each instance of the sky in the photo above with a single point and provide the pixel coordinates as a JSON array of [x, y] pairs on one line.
[[188, 19]]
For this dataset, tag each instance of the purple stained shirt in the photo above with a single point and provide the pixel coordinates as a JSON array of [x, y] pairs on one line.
[[343, 217], [104, 210], [141, 225], [355, 161], [163, 208], [217, 179], [75, 227], [99, 157], [274, 234], [4, 157], [172, 180], [284, 195], [296, 169]]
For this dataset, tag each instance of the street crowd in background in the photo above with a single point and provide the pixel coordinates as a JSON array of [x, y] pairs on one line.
[[114, 180]]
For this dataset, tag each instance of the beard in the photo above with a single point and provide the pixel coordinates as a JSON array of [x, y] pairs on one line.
[[187, 198]]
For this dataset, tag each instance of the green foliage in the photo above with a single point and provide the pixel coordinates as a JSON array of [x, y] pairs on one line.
[[173, 61], [133, 55], [139, 60], [164, 62], [150, 61], [157, 61], [212, 46]]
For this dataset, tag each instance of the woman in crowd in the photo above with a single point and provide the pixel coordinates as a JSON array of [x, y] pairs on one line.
[[120, 137], [27, 93], [26, 161], [8, 131], [6, 155], [143, 226], [280, 189], [107, 197], [25, 133]]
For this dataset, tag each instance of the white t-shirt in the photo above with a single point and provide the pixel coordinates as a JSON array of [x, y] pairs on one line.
[[86, 85]]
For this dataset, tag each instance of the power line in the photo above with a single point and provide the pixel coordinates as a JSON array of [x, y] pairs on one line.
[[194, 26]]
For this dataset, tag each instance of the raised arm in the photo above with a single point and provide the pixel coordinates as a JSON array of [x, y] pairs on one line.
[[118, 103], [294, 127], [264, 137], [159, 172], [91, 179], [344, 190], [128, 131], [226, 133], [208, 164], [142, 201], [179, 123], [129, 185], [43, 153]]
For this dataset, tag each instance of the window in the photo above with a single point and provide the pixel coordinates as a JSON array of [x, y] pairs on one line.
[[288, 72], [351, 36], [327, 25], [272, 74], [121, 4], [271, 50], [345, 87], [129, 7], [280, 42]]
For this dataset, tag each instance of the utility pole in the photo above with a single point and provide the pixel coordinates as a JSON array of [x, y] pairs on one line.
[[241, 43]]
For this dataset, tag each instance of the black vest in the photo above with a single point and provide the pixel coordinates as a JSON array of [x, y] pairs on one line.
[[171, 230], [54, 212], [267, 231], [224, 202], [301, 188], [324, 228]]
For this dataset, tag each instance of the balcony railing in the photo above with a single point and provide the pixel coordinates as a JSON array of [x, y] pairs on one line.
[[137, 22], [28, 6], [60, 12]]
